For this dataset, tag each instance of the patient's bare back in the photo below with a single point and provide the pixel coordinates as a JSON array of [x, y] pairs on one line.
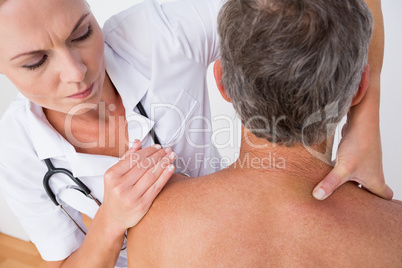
[[227, 220]]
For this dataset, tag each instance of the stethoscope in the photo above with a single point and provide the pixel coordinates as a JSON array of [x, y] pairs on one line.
[[79, 185]]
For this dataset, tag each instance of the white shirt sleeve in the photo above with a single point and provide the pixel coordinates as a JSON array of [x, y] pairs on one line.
[[191, 24]]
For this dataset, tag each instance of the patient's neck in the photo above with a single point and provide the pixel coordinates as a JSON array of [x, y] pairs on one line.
[[258, 155]]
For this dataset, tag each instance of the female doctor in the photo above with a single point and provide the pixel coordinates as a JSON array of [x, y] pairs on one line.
[[79, 108]]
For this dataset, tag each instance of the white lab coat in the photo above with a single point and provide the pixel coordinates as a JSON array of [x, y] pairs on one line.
[[156, 54]]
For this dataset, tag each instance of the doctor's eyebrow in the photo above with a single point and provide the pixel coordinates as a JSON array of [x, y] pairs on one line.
[[78, 24]]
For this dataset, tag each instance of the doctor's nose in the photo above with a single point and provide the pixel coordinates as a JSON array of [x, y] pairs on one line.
[[72, 68]]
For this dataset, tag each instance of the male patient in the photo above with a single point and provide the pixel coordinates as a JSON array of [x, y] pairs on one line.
[[292, 70]]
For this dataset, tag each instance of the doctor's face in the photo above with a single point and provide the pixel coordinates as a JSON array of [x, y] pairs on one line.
[[52, 51]]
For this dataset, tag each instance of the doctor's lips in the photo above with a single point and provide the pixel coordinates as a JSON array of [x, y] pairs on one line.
[[82, 94]]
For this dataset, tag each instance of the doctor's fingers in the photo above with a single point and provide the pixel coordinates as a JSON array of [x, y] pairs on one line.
[[145, 166], [152, 182], [137, 145], [152, 192], [129, 160]]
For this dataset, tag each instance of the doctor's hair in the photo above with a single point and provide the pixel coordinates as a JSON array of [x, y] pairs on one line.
[[289, 59]]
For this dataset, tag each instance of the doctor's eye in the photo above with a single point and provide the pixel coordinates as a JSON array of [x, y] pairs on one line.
[[36, 65], [85, 36]]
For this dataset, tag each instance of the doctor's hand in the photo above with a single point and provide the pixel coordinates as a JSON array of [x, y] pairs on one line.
[[359, 158], [134, 182]]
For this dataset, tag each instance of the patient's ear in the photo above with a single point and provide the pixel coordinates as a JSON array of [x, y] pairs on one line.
[[364, 83], [218, 79]]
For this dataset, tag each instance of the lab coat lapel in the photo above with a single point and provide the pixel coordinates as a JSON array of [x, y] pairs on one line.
[[132, 87]]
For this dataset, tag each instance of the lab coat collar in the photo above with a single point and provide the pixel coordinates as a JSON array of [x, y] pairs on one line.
[[48, 143], [46, 140]]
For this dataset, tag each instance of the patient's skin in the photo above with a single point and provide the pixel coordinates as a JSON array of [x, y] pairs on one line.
[[244, 217]]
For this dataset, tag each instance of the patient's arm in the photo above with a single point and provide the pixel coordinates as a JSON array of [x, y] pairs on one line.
[[359, 155]]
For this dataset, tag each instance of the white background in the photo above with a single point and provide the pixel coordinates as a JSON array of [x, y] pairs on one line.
[[391, 98]]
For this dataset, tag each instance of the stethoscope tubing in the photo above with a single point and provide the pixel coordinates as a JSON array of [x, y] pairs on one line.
[[52, 171], [152, 132]]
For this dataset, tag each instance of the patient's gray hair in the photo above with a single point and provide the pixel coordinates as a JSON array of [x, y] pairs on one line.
[[284, 60]]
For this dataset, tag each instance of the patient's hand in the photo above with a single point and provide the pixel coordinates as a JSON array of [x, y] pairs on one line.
[[359, 159]]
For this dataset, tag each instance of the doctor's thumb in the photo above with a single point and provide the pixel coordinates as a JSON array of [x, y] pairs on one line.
[[330, 183]]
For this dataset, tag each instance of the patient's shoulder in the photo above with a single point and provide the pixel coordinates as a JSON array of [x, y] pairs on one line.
[[399, 202], [188, 218], [363, 228]]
